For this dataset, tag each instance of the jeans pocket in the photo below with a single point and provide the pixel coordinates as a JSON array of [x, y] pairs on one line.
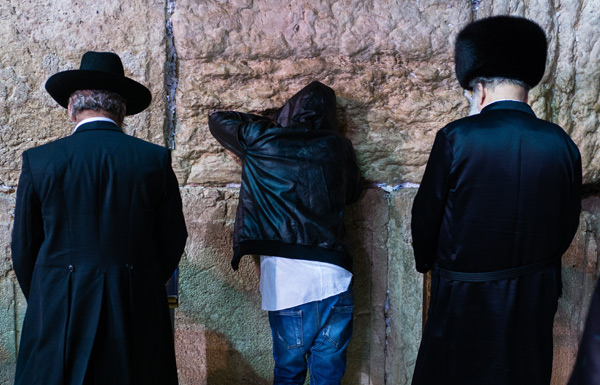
[[286, 326], [339, 326]]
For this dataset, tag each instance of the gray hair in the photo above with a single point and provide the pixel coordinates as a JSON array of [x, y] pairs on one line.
[[492, 82], [96, 100]]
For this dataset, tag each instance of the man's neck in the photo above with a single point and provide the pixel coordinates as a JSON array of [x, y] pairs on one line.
[[504, 92], [86, 114]]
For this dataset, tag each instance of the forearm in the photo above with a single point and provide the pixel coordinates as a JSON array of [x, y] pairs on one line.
[[227, 127]]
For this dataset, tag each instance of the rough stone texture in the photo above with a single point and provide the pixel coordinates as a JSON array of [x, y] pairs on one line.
[[405, 293], [40, 38], [391, 64], [581, 269], [218, 304], [367, 238], [8, 332]]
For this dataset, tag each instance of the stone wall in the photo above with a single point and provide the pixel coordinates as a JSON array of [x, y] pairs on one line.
[[391, 64]]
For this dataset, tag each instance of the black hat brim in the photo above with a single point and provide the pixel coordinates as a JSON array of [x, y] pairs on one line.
[[61, 85]]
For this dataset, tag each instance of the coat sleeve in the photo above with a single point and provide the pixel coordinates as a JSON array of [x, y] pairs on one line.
[[28, 230], [228, 128], [429, 204], [171, 233]]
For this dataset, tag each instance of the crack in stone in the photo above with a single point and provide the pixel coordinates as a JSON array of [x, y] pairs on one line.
[[171, 80], [475, 4]]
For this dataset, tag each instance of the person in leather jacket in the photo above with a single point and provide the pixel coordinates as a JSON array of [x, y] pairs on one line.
[[298, 173]]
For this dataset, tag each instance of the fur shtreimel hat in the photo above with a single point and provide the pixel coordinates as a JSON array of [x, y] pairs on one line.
[[501, 46], [99, 71]]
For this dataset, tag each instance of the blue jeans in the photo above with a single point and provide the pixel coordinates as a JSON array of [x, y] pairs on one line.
[[314, 335]]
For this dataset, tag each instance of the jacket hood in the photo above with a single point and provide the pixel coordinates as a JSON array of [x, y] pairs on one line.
[[312, 106]]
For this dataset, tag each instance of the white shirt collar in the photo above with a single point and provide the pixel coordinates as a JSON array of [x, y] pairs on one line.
[[95, 119], [505, 100]]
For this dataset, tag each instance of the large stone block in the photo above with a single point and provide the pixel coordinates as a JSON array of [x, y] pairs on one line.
[[8, 329], [389, 62], [405, 293], [220, 322], [366, 225], [12, 302], [8, 286], [581, 269], [391, 65], [38, 39]]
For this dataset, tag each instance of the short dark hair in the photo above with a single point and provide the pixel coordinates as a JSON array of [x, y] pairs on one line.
[[492, 82], [96, 100]]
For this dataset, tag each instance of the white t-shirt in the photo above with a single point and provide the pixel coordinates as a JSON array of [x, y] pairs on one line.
[[287, 282]]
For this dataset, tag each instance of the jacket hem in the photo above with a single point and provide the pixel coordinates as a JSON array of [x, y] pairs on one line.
[[291, 250]]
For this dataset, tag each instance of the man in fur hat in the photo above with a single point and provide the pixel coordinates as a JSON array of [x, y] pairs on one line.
[[498, 205], [98, 231]]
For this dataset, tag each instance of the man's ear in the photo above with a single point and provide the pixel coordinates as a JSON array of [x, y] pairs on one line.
[[481, 96], [71, 117]]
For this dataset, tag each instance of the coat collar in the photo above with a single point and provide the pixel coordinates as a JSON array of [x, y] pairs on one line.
[[508, 105], [98, 125]]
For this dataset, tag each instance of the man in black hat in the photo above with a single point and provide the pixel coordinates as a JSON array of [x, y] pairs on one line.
[[98, 231], [498, 205]]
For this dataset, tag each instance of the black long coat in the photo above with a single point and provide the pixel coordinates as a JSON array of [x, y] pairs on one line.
[[587, 366], [501, 191], [98, 231]]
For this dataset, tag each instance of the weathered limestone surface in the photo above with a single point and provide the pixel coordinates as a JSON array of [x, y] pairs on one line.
[[389, 62], [41, 38], [581, 269], [405, 293], [217, 304], [367, 239], [8, 286]]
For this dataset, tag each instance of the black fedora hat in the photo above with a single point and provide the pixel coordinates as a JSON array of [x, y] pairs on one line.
[[99, 71], [501, 46]]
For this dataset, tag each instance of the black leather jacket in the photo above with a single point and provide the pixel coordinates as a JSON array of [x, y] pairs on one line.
[[298, 173]]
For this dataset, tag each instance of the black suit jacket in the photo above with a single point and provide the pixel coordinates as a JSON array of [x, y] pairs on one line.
[[501, 190], [98, 230]]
